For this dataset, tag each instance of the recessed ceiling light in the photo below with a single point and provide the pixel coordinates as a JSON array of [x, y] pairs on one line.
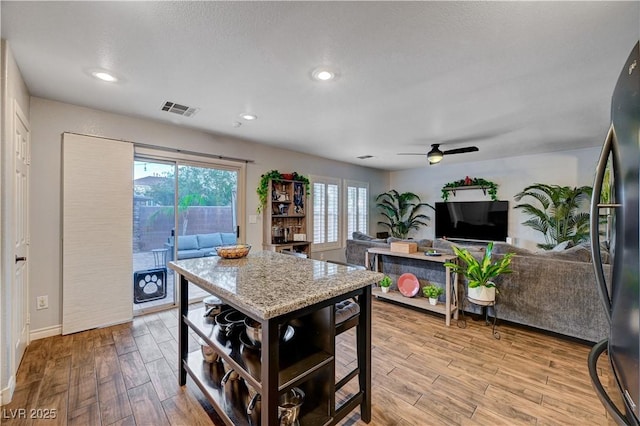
[[323, 74], [249, 117], [105, 76]]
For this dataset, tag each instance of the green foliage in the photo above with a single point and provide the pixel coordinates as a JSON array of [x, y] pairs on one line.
[[385, 282], [432, 291], [492, 188], [480, 273], [556, 212], [303, 179], [197, 186], [210, 187], [402, 212], [263, 187]]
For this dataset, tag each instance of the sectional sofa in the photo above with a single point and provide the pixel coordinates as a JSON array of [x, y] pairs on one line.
[[199, 245], [553, 291]]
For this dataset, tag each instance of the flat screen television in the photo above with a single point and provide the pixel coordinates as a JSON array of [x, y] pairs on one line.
[[473, 220]]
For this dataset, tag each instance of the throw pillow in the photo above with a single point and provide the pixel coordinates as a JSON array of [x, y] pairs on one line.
[[563, 246], [362, 237]]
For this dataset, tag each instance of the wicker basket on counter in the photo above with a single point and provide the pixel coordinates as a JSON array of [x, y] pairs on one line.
[[233, 252]]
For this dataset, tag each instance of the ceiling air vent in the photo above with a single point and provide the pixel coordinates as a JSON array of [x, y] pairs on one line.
[[179, 109], [365, 157]]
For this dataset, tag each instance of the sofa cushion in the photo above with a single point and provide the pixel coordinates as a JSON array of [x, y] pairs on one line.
[[190, 254], [503, 248], [579, 253], [361, 237], [425, 243], [209, 240], [442, 244], [228, 238], [187, 242]]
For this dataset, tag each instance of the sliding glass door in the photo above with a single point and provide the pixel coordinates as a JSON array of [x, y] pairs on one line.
[[153, 222], [206, 216]]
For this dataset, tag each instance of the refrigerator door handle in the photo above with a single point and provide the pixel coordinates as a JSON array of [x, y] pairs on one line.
[[595, 221], [592, 362]]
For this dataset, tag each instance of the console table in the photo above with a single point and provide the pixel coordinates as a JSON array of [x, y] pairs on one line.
[[450, 307]]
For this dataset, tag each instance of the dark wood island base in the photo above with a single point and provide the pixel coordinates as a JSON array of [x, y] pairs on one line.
[[302, 300]]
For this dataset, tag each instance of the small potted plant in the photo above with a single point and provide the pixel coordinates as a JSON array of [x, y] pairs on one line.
[[432, 292], [479, 273], [385, 283]]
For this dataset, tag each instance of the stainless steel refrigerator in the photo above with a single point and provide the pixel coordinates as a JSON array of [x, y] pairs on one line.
[[620, 292]]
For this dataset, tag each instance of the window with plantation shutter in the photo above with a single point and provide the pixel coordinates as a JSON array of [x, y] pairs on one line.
[[357, 207], [326, 208]]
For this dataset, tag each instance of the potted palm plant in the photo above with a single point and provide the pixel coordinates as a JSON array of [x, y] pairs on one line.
[[402, 212], [558, 212], [480, 273]]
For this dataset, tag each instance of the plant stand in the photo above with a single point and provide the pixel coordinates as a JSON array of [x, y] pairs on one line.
[[462, 321]]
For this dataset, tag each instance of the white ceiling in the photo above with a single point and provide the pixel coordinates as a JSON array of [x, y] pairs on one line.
[[516, 77]]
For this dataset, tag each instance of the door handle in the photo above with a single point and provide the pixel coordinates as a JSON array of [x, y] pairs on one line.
[[594, 223], [20, 259]]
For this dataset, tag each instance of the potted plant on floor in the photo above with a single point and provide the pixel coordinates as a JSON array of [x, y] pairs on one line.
[[385, 284], [402, 212], [480, 273], [432, 292], [558, 212]]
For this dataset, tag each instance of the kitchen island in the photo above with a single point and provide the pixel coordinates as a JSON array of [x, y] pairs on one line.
[[279, 292]]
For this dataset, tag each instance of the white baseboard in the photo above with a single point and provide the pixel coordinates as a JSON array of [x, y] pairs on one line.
[[41, 333], [7, 393]]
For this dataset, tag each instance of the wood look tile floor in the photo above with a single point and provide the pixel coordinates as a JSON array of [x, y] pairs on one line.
[[424, 373]]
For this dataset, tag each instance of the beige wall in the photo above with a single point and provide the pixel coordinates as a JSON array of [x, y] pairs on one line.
[[13, 91], [50, 119]]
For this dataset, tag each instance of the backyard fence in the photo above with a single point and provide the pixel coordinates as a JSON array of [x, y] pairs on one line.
[[152, 225]]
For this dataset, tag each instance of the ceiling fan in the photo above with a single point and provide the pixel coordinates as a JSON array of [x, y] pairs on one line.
[[435, 155]]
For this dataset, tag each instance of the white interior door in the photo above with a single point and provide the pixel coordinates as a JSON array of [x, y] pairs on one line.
[[97, 288], [20, 290]]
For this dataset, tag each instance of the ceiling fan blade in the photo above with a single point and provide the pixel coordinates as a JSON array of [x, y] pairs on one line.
[[475, 137], [462, 150], [411, 153]]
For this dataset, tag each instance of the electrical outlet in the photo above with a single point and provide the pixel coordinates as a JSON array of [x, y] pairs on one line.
[[42, 302]]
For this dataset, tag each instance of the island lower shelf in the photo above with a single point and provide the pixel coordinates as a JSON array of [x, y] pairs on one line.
[[294, 366], [233, 411]]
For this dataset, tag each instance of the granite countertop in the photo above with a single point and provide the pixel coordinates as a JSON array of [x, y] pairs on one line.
[[268, 284]]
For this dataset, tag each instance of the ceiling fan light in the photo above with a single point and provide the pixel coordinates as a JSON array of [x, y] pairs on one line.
[[434, 156]]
